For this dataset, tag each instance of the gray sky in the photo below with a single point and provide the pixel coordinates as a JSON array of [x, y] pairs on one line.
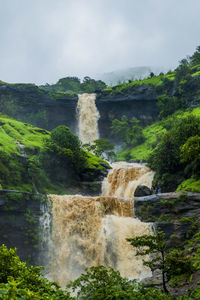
[[44, 40]]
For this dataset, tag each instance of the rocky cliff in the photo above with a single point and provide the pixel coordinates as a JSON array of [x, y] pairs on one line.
[[139, 102], [177, 214], [29, 103], [20, 215]]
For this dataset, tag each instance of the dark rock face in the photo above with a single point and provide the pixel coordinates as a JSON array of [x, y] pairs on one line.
[[175, 233], [28, 103], [169, 205], [178, 216], [91, 180], [173, 213], [140, 103], [142, 190], [19, 223]]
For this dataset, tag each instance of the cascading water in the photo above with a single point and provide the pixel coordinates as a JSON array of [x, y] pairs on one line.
[[124, 177], [91, 231], [88, 117]]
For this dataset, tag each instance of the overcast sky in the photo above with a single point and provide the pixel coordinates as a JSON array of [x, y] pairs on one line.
[[44, 40]]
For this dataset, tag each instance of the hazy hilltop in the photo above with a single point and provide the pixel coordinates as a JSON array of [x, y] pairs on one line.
[[123, 75]]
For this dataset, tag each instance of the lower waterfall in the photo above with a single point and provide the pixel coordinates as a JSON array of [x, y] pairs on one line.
[[90, 231]]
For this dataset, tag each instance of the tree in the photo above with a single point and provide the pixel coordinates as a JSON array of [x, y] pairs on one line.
[[195, 58], [190, 151], [101, 146], [171, 262], [68, 84], [106, 284], [166, 158], [63, 137], [62, 155], [168, 105], [128, 131], [182, 70], [156, 245], [90, 85], [190, 154], [17, 281], [151, 74]]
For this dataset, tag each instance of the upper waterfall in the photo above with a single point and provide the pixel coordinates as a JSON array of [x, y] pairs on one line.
[[88, 117]]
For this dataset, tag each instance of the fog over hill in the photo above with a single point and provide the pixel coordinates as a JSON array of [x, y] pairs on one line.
[[123, 75]]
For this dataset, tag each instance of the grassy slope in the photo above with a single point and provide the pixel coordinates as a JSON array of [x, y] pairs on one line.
[[153, 81], [151, 134], [12, 133]]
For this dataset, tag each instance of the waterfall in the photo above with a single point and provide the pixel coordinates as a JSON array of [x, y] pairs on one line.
[[124, 177], [88, 117], [91, 231]]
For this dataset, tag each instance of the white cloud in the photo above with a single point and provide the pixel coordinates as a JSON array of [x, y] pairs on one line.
[[44, 40]]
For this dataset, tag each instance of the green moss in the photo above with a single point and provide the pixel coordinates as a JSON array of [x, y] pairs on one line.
[[11, 131], [190, 184], [94, 162]]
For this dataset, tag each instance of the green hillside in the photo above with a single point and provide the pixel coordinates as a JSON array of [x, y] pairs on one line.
[[173, 170], [152, 134], [30, 161]]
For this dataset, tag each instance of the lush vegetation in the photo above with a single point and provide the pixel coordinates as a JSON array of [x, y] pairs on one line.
[[175, 90], [170, 262], [178, 266], [171, 145], [177, 155], [127, 131], [73, 85], [171, 148], [101, 148], [18, 281], [30, 157]]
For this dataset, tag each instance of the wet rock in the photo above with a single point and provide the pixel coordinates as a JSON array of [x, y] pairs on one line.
[[167, 207], [20, 214], [142, 190]]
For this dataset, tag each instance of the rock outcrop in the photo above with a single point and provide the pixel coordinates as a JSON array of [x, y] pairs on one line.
[[139, 102], [142, 190], [173, 213], [29, 103], [20, 214]]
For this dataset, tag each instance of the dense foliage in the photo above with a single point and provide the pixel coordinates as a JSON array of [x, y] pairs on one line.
[[74, 85], [18, 281], [170, 262], [104, 283], [102, 148], [127, 131], [177, 155], [35, 160]]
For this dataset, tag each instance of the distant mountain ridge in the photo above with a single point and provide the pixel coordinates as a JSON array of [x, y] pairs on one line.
[[123, 75]]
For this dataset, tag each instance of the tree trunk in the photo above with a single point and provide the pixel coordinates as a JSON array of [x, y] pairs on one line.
[[163, 273]]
